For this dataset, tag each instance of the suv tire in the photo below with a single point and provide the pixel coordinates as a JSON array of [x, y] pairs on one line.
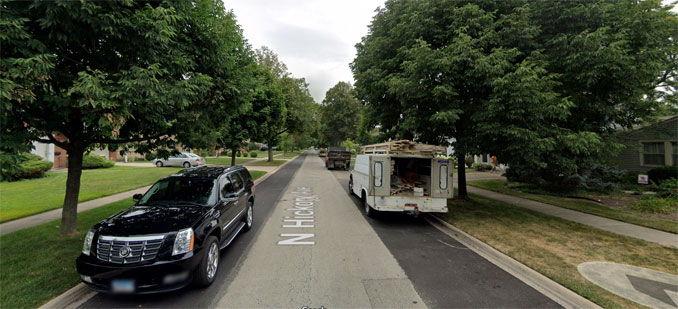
[[207, 270], [249, 217]]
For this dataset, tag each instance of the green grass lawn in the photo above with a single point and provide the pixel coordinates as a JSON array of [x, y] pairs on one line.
[[581, 205], [266, 163], [37, 264], [257, 174], [227, 160], [31, 196], [554, 247]]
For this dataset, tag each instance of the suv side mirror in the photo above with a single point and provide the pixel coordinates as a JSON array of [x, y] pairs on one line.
[[137, 197]]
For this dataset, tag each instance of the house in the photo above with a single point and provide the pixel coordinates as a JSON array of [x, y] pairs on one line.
[[58, 155], [649, 146]]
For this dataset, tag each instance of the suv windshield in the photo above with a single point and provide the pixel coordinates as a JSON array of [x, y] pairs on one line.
[[178, 191]]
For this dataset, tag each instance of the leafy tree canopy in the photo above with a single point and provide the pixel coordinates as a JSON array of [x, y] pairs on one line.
[[117, 72], [537, 83], [341, 114]]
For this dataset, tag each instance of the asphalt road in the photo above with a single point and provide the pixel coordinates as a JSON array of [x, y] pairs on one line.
[[312, 246]]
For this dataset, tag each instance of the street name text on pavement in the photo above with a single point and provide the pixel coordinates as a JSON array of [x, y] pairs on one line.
[[302, 216]]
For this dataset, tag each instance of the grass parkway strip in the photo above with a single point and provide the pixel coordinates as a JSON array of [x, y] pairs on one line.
[[581, 205], [554, 247]]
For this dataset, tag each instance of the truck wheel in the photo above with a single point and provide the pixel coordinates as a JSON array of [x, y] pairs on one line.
[[350, 186], [207, 270], [369, 211], [347, 166]]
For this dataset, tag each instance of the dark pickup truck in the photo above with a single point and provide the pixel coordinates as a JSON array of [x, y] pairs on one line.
[[338, 157]]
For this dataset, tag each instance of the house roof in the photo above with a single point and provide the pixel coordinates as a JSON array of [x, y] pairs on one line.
[[659, 120]]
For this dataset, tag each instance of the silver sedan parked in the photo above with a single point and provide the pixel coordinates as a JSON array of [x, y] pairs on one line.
[[185, 159]]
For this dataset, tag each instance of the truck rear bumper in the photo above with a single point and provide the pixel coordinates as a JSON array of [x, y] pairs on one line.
[[409, 204]]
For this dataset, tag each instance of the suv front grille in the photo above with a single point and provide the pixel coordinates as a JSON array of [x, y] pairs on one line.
[[126, 250]]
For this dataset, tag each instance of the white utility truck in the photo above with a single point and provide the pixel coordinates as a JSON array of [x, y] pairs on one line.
[[402, 176]]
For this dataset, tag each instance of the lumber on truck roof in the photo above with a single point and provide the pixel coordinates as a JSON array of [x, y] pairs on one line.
[[402, 147]]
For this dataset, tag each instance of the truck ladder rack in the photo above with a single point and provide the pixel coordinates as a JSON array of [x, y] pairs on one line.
[[402, 147]]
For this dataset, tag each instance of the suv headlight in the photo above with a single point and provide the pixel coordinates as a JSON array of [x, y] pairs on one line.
[[184, 241], [87, 246]]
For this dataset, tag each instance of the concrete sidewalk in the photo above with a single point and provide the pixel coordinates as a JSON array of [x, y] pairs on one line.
[[614, 226], [47, 216]]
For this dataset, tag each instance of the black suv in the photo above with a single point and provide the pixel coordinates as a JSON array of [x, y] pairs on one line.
[[172, 235]]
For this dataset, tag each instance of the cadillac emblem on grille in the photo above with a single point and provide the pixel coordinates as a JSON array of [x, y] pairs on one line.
[[125, 251]]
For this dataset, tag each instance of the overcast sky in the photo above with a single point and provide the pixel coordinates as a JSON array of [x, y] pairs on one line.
[[314, 38]]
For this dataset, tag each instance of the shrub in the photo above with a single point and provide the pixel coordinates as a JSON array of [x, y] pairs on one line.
[[92, 161], [149, 156], [668, 188], [25, 165], [203, 154], [468, 160], [254, 154], [226, 153], [657, 175], [252, 146], [238, 154], [482, 166], [656, 204], [30, 157], [245, 154], [603, 178], [32, 169]]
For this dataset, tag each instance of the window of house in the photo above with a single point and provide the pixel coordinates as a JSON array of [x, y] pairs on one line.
[[653, 153]]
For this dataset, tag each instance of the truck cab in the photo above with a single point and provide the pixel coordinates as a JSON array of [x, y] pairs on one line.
[[398, 178]]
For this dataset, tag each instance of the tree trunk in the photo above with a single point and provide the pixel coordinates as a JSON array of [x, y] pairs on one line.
[[270, 151], [233, 156], [461, 175], [69, 213]]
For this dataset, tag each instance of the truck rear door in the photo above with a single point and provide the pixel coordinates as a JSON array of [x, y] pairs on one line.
[[380, 176], [441, 178]]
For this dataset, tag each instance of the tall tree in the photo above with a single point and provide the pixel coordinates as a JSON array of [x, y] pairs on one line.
[[297, 99], [495, 77], [341, 113], [123, 72], [427, 69]]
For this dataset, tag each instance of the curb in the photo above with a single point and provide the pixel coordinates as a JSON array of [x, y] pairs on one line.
[[551, 289], [80, 293], [72, 298]]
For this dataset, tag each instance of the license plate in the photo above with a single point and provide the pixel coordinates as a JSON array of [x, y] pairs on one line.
[[122, 286]]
